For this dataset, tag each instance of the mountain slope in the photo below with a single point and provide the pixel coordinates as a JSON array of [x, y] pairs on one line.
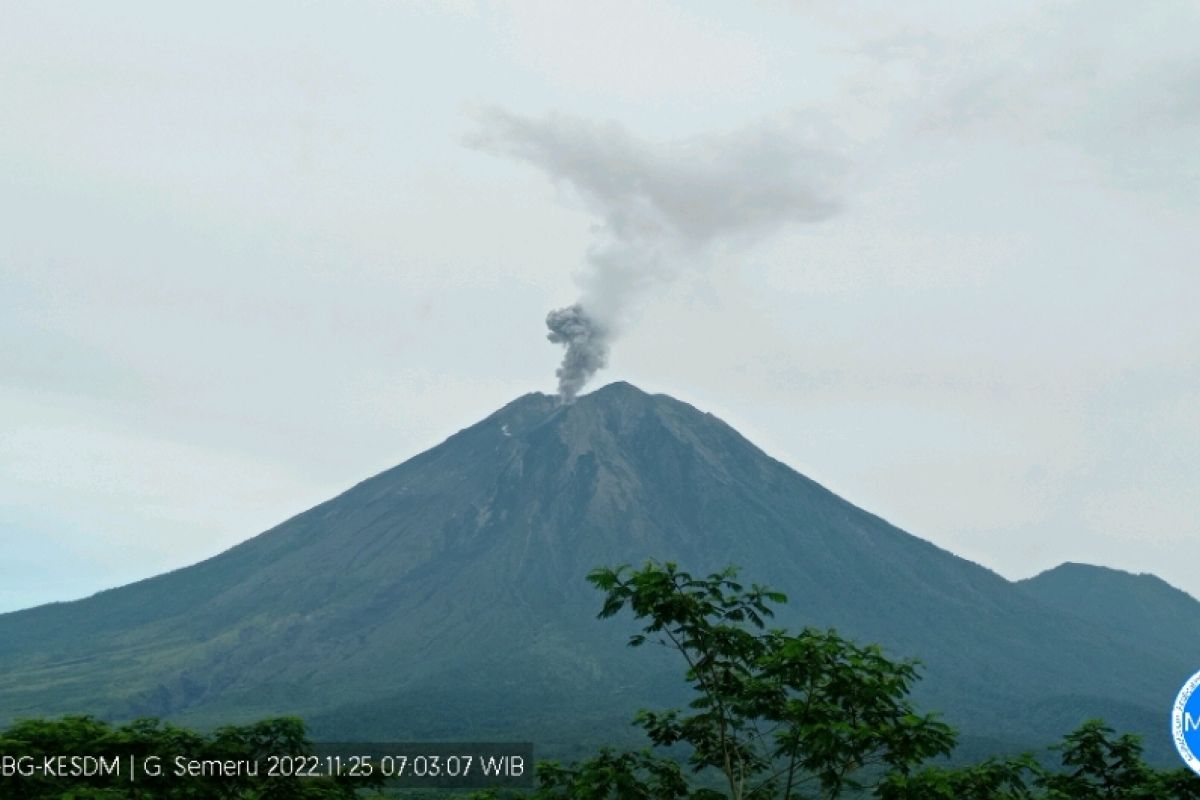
[[445, 597], [1142, 608]]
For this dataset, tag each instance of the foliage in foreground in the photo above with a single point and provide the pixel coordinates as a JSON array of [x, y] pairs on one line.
[[777, 716]]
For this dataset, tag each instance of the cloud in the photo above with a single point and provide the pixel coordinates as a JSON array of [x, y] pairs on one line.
[[661, 205], [1077, 76]]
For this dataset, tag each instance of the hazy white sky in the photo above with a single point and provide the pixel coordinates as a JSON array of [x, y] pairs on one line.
[[253, 253]]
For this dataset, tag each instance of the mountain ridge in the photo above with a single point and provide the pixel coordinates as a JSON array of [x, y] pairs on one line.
[[1137, 605], [446, 595]]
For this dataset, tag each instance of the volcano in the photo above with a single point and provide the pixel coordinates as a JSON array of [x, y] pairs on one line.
[[445, 598]]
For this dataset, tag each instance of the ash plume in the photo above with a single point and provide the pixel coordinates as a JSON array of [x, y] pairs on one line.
[[586, 344], [660, 206]]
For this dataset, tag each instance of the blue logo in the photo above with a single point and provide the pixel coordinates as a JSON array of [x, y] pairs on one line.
[[1185, 723]]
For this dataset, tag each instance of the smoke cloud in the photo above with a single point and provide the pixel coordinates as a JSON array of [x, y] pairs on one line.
[[587, 348], [660, 205]]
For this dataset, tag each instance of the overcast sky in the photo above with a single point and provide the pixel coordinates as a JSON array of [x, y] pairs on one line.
[[943, 260]]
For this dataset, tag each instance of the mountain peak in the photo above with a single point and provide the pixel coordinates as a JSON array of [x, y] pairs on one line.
[[1078, 576], [623, 391], [619, 395], [1142, 607], [618, 387], [616, 394], [606, 417], [447, 594]]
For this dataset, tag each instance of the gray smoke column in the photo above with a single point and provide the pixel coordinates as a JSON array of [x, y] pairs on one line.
[[586, 344], [661, 206]]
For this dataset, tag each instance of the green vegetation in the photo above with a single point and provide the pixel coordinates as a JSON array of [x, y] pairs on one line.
[[772, 716], [1095, 765], [776, 716], [442, 600]]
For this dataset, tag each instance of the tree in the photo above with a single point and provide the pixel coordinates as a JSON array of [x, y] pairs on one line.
[[994, 779], [780, 716], [773, 713], [1095, 764], [1100, 765], [774, 716]]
